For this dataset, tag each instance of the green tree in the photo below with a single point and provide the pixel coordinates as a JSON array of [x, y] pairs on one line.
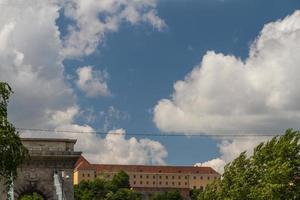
[[100, 189], [169, 195], [34, 196], [272, 172], [194, 193], [12, 152], [123, 194], [121, 180]]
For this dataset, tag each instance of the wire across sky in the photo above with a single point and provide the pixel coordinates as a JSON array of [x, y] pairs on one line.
[[204, 133]]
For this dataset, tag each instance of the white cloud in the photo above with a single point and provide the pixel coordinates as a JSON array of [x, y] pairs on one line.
[[93, 19], [114, 148], [112, 117], [92, 82], [217, 164], [224, 94], [31, 62], [230, 149]]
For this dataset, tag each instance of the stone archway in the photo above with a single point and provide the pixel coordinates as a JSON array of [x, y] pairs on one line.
[[33, 187], [48, 157]]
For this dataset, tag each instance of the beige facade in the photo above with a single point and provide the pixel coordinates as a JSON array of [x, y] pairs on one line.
[[149, 178]]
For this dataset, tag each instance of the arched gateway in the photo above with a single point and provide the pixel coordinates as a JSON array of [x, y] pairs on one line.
[[49, 172]]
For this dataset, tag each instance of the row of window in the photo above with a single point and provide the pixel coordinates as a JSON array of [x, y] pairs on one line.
[[160, 177], [166, 183], [173, 177], [160, 183]]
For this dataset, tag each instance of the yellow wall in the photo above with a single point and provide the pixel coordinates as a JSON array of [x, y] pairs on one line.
[[153, 180]]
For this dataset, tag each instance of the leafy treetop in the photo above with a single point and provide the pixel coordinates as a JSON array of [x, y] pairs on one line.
[[272, 172]]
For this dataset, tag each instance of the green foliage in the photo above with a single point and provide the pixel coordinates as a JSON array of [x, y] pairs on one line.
[[116, 189], [34, 196], [123, 194], [120, 180], [272, 172], [170, 195], [194, 193], [12, 152]]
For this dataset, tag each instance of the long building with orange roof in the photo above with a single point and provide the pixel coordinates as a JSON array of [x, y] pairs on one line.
[[149, 178]]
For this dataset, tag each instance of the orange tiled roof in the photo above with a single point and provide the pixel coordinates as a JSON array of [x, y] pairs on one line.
[[83, 164]]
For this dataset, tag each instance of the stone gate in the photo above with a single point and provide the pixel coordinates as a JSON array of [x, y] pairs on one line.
[[49, 171]]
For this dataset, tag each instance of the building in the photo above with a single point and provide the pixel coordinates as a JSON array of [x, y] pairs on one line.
[[48, 172], [147, 178]]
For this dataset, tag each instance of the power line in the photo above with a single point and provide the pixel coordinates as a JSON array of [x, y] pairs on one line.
[[259, 133]]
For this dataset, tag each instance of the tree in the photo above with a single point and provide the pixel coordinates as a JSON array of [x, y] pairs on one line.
[[124, 194], [169, 195], [12, 152], [99, 189], [272, 172], [194, 193], [121, 180], [33, 196]]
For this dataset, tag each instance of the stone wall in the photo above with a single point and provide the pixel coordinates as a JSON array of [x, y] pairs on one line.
[[47, 156]]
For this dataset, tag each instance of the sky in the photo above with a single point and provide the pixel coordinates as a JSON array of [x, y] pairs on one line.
[[153, 67]]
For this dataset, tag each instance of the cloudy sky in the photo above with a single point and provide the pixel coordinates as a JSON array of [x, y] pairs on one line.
[[153, 67]]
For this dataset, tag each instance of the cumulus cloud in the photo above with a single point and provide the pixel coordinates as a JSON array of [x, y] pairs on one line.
[[114, 148], [226, 94], [92, 82], [112, 117], [93, 19], [31, 63], [230, 149], [32, 52]]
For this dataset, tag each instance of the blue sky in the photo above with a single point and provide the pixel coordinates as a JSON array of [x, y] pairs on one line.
[[112, 65], [144, 63]]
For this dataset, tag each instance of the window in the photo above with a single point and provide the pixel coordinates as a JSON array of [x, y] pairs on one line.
[[167, 183], [173, 183], [153, 176], [208, 178], [201, 177], [201, 187], [147, 176], [179, 183], [134, 176], [185, 183], [141, 182], [159, 182], [88, 175], [82, 175], [134, 182], [159, 177], [179, 177], [147, 182], [166, 177], [173, 177], [153, 182], [194, 187], [186, 177], [194, 177], [141, 176]]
